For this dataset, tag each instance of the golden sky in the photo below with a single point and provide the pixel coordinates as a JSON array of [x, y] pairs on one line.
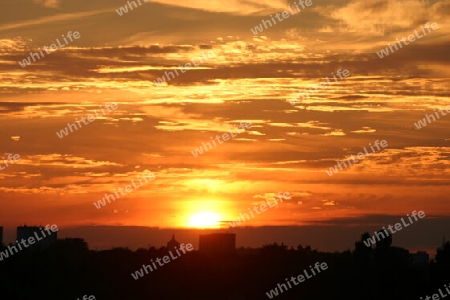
[[250, 79]]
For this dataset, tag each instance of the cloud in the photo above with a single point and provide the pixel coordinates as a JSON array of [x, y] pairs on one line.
[[380, 15], [53, 19], [48, 3], [10, 45], [237, 7]]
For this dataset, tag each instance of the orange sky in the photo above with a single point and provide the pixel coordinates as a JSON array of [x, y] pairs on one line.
[[250, 79]]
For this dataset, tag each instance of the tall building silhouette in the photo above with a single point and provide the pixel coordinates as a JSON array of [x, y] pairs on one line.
[[1, 236], [217, 243], [42, 237], [420, 258]]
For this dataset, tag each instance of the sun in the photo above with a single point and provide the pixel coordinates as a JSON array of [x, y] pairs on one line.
[[204, 220]]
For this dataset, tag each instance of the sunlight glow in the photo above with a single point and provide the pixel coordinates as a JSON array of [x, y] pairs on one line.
[[205, 220]]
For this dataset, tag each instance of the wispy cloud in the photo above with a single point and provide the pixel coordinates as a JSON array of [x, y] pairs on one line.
[[48, 3], [53, 19]]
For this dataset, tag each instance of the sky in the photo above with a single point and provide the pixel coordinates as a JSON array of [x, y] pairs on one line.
[[243, 78]]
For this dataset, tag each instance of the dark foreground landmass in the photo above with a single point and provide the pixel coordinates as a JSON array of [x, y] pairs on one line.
[[69, 270]]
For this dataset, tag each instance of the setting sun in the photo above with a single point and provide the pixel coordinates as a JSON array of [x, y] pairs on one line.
[[205, 220]]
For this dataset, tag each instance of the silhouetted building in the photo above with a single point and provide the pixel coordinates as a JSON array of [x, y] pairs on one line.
[[173, 244], [43, 238], [421, 258], [217, 242], [1, 236]]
